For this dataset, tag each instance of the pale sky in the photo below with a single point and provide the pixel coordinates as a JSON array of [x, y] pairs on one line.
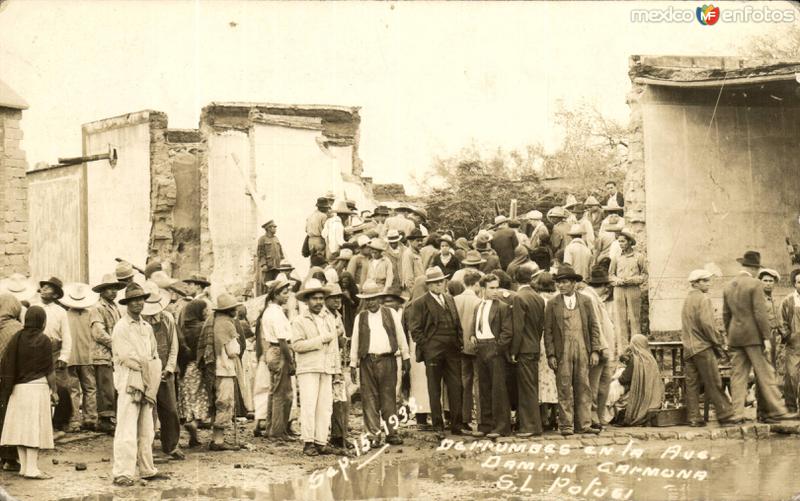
[[430, 78]]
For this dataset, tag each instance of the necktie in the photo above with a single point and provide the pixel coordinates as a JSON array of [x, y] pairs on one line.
[[480, 317]]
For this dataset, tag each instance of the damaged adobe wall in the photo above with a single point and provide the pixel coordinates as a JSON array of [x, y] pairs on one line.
[[715, 142]]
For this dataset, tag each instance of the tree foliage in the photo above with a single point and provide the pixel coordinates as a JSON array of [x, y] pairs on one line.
[[462, 192], [783, 43]]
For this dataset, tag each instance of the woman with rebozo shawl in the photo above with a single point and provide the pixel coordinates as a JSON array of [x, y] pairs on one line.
[[29, 386], [644, 377], [10, 310], [193, 401]]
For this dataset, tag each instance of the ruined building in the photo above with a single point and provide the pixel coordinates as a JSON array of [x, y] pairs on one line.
[[194, 198], [713, 165], [13, 187]]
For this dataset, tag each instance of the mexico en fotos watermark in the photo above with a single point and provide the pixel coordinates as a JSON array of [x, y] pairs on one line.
[[709, 15]]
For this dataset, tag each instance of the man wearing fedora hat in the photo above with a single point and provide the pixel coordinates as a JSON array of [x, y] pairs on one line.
[[378, 337], [504, 241], [577, 253], [593, 215], [379, 216], [434, 325], [165, 332], [472, 261], [701, 343], [103, 316], [269, 254], [315, 223], [744, 313], [137, 371], [226, 352], [198, 288], [78, 298], [572, 343], [316, 346], [598, 290], [358, 266], [411, 266], [380, 269], [628, 272]]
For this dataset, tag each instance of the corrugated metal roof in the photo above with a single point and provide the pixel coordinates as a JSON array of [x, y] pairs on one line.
[[10, 99]]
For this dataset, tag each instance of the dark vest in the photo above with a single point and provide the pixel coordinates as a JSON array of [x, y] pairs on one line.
[[446, 326], [363, 331]]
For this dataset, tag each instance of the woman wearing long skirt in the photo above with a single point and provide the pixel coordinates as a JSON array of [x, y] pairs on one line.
[[193, 401], [29, 386], [10, 310]]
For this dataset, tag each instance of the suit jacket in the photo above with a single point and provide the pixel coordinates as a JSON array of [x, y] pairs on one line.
[[744, 312], [554, 324], [620, 200], [424, 317], [504, 241], [528, 320], [466, 305], [499, 321]]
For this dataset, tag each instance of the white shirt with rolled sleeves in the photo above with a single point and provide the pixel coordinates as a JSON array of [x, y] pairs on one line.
[[379, 338], [57, 328], [275, 325]]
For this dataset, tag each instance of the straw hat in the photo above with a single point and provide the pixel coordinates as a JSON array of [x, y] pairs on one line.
[[133, 291], [157, 301], [197, 278], [378, 244], [344, 255], [226, 302], [629, 236], [162, 280], [312, 286], [591, 201], [363, 240], [123, 270], [275, 286], [434, 274], [340, 207], [393, 236], [79, 296], [109, 281], [55, 283], [395, 293], [500, 220], [335, 290], [370, 289], [576, 231], [421, 212], [284, 265], [557, 212], [19, 286], [482, 239], [571, 202], [533, 215], [473, 258]]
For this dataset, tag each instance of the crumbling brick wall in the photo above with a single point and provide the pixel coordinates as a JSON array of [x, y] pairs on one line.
[[13, 195]]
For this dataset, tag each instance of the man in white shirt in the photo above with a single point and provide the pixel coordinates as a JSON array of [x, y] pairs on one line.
[[378, 336], [491, 334], [57, 329], [333, 229]]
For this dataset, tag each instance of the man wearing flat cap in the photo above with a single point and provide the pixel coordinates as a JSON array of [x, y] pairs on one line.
[[627, 274], [744, 312], [269, 254], [701, 344], [315, 223]]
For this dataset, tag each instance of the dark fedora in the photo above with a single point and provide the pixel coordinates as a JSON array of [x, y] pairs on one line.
[[56, 284], [133, 291], [381, 210], [751, 259], [415, 235], [323, 202], [598, 276], [568, 273]]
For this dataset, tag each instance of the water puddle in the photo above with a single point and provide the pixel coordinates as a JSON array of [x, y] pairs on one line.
[[764, 470]]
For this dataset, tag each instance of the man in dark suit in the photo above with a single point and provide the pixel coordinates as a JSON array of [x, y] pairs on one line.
[[435, 327], [572, 342], [504, 241], [528, 321], [615, 198], [744, 312], [491, 333]]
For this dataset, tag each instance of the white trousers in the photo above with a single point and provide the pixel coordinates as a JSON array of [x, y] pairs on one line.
[[133, 438], [316, 406], [261, 390]]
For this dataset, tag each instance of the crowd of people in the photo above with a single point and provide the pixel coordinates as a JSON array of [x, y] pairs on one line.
[[533, 324]]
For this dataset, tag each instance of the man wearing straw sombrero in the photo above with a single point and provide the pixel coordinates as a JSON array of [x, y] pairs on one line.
[[166, 334], [103, 317], [316, 348], [79, 298]]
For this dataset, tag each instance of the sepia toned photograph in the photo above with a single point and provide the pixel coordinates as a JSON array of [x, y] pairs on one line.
[[419, 250]]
